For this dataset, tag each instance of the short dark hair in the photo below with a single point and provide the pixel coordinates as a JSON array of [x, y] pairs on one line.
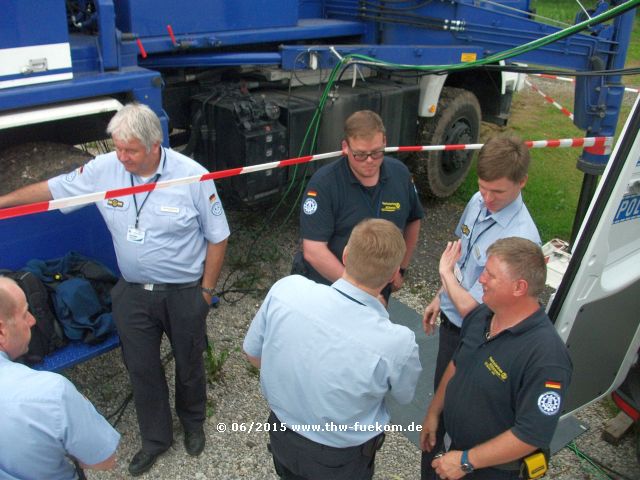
[[524, 259], [504, 157]]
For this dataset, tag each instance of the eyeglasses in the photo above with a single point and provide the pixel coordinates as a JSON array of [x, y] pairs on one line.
[[362, 156]]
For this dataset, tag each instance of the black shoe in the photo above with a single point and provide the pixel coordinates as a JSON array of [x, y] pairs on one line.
[[194, 442], [141, 462]]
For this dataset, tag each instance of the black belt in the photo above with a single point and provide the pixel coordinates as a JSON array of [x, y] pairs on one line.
[[368, 448], [446, 323], [164, 287]]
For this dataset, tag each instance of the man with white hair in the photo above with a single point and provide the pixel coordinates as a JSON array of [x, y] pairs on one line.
[[170, 246]]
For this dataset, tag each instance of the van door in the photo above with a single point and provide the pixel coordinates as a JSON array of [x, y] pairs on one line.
[[596, 309]]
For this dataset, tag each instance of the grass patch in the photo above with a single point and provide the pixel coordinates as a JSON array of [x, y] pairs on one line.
[[214, 362]]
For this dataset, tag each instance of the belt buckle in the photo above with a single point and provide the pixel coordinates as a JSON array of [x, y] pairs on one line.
[[148, 286]]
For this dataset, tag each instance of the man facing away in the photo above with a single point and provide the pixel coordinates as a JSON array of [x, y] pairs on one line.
[[46, 423], [362, 184], [495, 211], [501, 394], [329, 355], [170, 246]]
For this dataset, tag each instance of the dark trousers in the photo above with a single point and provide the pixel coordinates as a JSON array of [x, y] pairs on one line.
[[142, 317], [448, 342], [298, 458]]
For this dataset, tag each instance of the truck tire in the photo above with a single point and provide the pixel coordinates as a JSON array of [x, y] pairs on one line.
[[457, 121]]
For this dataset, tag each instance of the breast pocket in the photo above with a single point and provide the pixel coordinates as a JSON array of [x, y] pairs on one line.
[[116, 213], [171, 218]]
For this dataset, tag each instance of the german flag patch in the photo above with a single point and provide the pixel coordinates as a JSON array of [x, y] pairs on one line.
[[552, 384]]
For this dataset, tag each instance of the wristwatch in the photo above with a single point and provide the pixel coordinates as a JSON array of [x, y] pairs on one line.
[[209, 291], [465, 464]]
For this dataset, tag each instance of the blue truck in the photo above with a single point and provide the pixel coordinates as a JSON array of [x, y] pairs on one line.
[[239, 83]]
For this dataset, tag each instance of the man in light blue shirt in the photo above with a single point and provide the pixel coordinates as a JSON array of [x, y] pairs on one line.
[[46, 423], [496, 211], [329, 355], [170, 246]]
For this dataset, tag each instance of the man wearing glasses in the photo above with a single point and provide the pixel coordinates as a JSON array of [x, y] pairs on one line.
[[362, 184]]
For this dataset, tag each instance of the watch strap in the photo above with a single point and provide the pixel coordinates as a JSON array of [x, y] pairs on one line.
[[465, 464]]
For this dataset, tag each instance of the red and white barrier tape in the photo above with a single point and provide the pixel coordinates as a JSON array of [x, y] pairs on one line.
[[596, 145], [549, 99], [573, 80]]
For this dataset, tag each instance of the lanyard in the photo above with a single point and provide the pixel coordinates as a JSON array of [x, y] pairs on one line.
[[349, 297], [135, 201], [471, 241]]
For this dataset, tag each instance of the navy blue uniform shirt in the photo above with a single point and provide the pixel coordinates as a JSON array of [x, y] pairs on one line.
[[335, 201]]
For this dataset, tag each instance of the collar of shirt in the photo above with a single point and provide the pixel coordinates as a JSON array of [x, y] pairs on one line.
[[352, 178], [361, 296], [532, 321], [4, 356], [504, 216], [159, 171]]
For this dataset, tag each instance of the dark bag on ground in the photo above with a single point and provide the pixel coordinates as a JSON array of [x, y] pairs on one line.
[[46, 334], [80, 293]]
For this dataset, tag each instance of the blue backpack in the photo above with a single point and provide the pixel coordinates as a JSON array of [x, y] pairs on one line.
[[80, 294]]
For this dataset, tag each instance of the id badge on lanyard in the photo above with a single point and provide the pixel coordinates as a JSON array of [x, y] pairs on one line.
[[135, 235]]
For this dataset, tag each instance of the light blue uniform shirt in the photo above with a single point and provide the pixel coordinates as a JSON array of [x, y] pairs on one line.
[[478, 229], [44, 418], [177, 221], [329, 358]]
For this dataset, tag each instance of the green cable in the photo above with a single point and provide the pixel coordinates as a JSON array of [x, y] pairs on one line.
[[594, 468], [497, 57]]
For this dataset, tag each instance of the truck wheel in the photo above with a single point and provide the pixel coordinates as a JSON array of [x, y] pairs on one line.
[[457, 121]]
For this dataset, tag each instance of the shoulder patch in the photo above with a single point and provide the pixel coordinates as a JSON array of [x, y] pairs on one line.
[[549, 403], [309, 206], [216, 208], [71, 176]]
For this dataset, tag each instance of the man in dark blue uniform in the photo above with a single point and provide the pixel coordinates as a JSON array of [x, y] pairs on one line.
[[501, 394], [362, 184]]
